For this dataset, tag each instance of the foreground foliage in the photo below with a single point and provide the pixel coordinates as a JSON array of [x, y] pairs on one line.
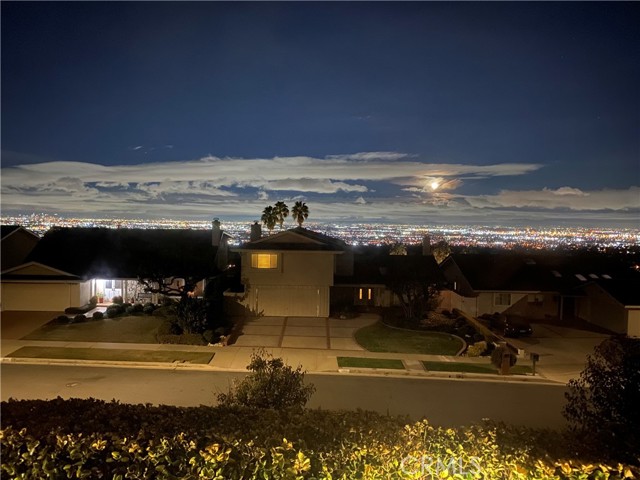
[[93, 439], [603, 403]]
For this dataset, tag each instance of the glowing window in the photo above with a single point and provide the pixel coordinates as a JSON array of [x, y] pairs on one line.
[[264, 260], [365, 292]]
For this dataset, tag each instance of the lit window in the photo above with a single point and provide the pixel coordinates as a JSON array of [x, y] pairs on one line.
[[502, 299], [365, 292], [264, 260]]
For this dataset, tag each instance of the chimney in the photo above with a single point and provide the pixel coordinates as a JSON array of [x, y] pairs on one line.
[[216, 233], [256, 232], [426, 245]]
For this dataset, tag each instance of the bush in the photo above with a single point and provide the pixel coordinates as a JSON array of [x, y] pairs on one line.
[[169, 327], [168, 301], [79, 318], [114, 310], [134, 309], [93, 301], [192, 316], [62, 319], [496, 356], [169, 311], [477, 349], [148, 308], [271, 385], [95, 439], [117, 300], [97, 315], [602, 404]]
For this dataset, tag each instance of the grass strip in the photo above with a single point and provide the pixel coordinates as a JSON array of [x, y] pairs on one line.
[[359, 362], [380, 338], [472, 368], [113, 354]]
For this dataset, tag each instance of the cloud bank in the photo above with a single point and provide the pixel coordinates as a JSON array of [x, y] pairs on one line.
[[366, 185]]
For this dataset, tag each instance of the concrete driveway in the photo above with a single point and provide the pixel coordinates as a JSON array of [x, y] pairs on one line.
[[563, 351], [303, 332]]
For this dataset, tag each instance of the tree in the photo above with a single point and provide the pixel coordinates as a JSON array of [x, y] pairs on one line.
[[269, 218], [602, 404], [418, 294], [169, 286], [282, 211], [192, 315], [271, 385], [398, 249], [300, 212], [441, 250]]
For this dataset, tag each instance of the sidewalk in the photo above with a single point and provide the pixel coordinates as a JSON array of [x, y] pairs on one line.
[[315, 346]]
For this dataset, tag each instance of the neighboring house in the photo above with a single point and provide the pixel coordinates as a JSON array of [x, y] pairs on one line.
[[16, 242], [70, 265], [369, 284], [290, 273], [303, 273], [612, 304], [538, 286]]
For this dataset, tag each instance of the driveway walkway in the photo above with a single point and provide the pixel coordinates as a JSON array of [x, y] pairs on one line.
[[303, 332]]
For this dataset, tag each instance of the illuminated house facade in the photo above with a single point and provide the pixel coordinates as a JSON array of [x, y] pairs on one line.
[[290, 273], [68, 266]]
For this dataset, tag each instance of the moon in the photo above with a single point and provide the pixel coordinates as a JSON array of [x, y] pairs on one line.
[[434, 185]]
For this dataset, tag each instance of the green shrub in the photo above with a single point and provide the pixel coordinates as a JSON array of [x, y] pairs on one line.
[[117, 300], [62, 319], [477, 349], [191, 314], [93, 439], [148, 308], [79, 318], [115, 310], [97, 315], [272, 384], [93, 301]]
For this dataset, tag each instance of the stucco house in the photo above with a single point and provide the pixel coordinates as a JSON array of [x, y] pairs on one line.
[[303, 273], [70, 265], [17, 243], [540, 286], [290, 273]]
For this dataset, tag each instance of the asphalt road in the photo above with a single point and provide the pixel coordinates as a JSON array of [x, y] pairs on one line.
[[448, 402]]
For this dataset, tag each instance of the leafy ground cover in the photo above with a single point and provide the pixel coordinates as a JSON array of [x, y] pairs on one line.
[[380, 338], [473, 368], [359, 362], [113, 354], [93, 439], [127, 329]]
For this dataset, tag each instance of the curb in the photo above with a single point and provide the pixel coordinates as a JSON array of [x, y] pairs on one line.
[[372, 372]]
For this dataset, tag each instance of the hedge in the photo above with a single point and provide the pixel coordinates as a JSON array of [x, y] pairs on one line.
[[94, 439]]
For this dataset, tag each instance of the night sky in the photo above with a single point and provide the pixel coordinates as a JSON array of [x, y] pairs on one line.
[[419, 112]]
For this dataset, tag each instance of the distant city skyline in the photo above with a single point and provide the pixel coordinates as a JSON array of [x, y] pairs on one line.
[[480, 113]]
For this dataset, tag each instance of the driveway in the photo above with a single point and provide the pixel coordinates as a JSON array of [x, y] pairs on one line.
[[303, 332], [563, 351]]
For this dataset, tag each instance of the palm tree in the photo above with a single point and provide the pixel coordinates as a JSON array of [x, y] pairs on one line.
[[282, 211], [300, 212], [269, 218]]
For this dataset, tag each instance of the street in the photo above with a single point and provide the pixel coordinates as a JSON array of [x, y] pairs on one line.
[[447, 402]]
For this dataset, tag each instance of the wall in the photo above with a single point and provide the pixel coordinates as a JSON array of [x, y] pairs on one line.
[[603, 310], [294, 268], [633, 322], [39, 296]]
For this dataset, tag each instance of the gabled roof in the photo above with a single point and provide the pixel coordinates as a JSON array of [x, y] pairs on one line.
[[296, 239], [538, 272], [36, 271], [127, 253], [7, 230], [626, 292]]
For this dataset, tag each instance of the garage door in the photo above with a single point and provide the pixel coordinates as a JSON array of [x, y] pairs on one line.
[[49, 297], [292, 301]]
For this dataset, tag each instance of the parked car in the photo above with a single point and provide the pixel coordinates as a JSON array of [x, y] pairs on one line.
[[510, 326]]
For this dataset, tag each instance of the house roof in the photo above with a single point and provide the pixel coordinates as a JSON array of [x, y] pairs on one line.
[[380, 269], [626, 291], [539, 272], [298, 238], [127, 253], [6, 230]]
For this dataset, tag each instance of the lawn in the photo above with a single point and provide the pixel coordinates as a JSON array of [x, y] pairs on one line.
[[131, 329], [473, 368], [359, 362], [113, 354], [380, 338]]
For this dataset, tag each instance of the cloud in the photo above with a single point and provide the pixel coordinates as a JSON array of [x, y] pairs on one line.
[[563, 198], [397, 186]]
